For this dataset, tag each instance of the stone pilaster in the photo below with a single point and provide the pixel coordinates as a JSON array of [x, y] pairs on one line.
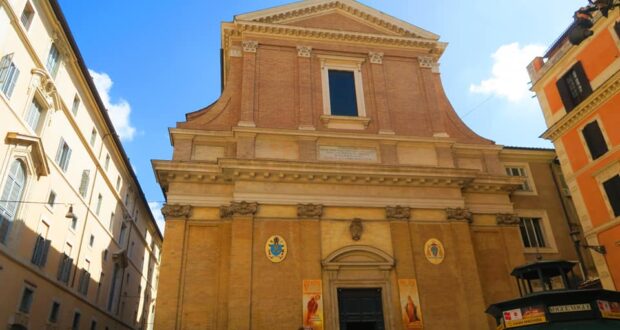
[[304, 63], [380, 91], [248, 84]]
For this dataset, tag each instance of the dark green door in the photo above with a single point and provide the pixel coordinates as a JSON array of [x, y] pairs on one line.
[[360, 309]]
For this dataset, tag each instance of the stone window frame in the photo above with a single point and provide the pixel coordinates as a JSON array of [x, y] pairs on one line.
[[343, 63], [530, 179], [612, 169], [549, 237]]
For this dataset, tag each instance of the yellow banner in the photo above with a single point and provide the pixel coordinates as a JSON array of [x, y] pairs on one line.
[[410, 304], [528, 321], [313, 304]]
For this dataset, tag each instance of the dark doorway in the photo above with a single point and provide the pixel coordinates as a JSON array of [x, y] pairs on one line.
[[360, 309]]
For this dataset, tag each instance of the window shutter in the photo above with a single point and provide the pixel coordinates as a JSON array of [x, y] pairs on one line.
[[617, 28], [84, 182], [36, 254], [66, 164], [12, 79], [67, 270], [567, 100], [583, 79], [59, 152], [4, 227], [46, 248], [61, 267], [594, 139], [4, 68]]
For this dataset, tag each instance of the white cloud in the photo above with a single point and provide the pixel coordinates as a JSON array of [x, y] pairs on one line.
[[119, 111], [509, 76], [159, 218]]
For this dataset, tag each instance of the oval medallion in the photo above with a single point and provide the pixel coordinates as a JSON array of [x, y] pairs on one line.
[[434, 252], [276, 248]]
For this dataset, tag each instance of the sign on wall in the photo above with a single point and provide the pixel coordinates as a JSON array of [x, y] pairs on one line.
[[313, 304], [609, 309], [276, 248], [520, 317], [410, 304], [434, 251]]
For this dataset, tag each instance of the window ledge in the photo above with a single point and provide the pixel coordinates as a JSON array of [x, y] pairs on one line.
[[345, 122], [541, 250]]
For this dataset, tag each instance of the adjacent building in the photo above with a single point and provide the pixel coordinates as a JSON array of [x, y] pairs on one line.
[[578, 88], [79, 248], [333, 186]]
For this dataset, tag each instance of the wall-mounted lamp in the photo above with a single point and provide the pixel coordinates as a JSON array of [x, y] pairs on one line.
[[70, 214]]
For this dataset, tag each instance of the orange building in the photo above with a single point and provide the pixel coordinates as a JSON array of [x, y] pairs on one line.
[[578, 88]]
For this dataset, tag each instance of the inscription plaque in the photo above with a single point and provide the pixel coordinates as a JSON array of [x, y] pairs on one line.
[[348, 153]]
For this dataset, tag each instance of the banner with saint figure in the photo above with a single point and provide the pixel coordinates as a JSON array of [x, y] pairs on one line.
[[313, 304], [410, 304]]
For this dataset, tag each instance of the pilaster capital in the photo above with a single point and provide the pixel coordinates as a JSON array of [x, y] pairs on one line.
[[429, 62], [507, 219], [397, 212], [304, 51], [376, 57], [459, 214], [176, 211], [309, 210], [249, 46], [238, 208]]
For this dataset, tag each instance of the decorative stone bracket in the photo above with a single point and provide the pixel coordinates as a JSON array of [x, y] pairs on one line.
[[397, 212], [309, 211], [376, 57], [176, 211], [357, 229], [249, 46], [429, 62], [507, 219], [238, 208], [459, 214]]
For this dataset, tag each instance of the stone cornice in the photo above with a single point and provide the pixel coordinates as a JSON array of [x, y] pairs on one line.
[[432, 46], [228, 171], [610, 88]]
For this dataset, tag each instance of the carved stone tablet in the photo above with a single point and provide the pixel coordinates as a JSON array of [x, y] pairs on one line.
[[347, 153]]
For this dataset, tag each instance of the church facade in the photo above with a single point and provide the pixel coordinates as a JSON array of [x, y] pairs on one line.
[[333, 186]]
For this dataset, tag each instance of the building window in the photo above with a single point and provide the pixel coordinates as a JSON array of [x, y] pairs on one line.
[[75, 324], [93, 137], [33, 116], [51, 199], [74, 222], [93, 325], [99, 201], [26, 302], [612, 189], [63, 155], [520, 172], [76, 105], [532, 232], [54, 312], [342, 95], [121, 236], [594, 139], [91, 240], [113, 287], [342, 86], [41, 249], [107, 161], [11, 197], [84, 183], [27, 15], [99, 285], [118, 182], [105, 255], [574, 87], [53, 60], [8, 75], [111, 224]]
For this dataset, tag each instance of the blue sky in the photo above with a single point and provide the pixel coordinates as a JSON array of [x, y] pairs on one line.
[[154, 61]]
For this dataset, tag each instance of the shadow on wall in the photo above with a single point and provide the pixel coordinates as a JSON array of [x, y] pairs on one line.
[[47, 280]]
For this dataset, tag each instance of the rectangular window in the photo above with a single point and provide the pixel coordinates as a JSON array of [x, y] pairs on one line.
[[74, 222], [27, 15], [54, 312], [26, 302], [75, 324], [63, 155], [41, 249], [53, 60], [93, 137], [51, 199], [99, 285], [99, 201], [84, 183], [342, 94], [118, 182], [612, 189], [76, 105], [91, 240], [111, 224], [84, 279], [107, 161], [121, 236], [594, 139], [574, 87], [8, 75], [93, 325], [532, 233], [519, 171], [33, 115]]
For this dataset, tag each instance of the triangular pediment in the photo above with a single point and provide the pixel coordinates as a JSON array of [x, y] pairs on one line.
[[339, 15]]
